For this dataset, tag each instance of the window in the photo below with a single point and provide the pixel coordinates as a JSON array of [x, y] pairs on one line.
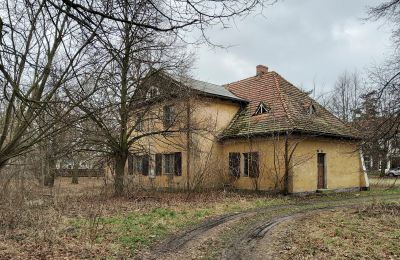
[[178, 164], [168, 116], [234, 164], [141, 164], [158, 164], [138, 164], [311, 109], [262, 108], [140, 125], [172, 163], [251, 164], [169, 163], [152, 93]]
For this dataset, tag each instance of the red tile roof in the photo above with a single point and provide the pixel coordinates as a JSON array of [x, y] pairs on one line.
[[289, 110]]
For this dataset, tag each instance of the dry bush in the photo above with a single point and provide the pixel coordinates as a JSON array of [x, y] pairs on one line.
[[381, 208]]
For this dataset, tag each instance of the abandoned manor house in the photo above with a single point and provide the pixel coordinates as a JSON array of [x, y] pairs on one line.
[[259, 133]]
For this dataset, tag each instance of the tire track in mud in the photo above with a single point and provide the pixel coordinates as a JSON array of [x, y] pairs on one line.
[[171, 247], [245, 246]]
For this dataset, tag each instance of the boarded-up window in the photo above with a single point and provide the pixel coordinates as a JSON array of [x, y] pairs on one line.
[[234, 164], [169, 163], [178, 164], [158, 164], [251, 164]]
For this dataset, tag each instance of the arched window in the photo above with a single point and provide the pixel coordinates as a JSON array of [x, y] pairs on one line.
[[262, 109]]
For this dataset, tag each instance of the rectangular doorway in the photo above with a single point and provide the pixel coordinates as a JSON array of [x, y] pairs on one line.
[[321, 171]]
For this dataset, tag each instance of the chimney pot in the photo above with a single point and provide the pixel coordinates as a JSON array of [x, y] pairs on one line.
[[261, 69]]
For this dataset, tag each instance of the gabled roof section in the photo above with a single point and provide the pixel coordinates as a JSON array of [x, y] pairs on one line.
[[209, 89], [290, 110]]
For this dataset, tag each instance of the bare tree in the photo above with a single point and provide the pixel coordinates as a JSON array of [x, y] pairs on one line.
[[344, 99], [36, 40], [386, 78]]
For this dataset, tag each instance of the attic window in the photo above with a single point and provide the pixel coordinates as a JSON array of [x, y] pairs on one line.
[[311, 109], [262, 109], [152, 92]]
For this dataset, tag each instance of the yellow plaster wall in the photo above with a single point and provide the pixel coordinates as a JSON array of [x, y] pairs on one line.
[[343, 168], [342, 160], [213, 116], [270, 177], [210, 158]]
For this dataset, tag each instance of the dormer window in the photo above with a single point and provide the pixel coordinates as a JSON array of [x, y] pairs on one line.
[[152, 92], [311, 109], [262, 109]]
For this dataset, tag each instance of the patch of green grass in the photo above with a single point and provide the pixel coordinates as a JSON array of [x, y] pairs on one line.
[[137, 229]]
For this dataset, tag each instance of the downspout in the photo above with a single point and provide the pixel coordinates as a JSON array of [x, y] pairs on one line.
[[365, 182]]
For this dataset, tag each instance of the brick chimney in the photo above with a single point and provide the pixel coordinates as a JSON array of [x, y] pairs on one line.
[[261, 69]]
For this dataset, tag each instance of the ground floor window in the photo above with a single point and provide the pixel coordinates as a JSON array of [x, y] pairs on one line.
[[169, 163], [234, 164], [251, 164], [140, 164]]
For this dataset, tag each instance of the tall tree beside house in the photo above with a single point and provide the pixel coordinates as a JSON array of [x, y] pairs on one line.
[[36, 39], [139, 39], [345, 97], [386, 78], [125, 94]]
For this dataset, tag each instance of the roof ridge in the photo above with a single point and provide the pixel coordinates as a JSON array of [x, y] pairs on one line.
[[251, 77], [284, 104]]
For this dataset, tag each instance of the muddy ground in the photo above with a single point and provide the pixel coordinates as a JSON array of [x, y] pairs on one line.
[[247, 235]]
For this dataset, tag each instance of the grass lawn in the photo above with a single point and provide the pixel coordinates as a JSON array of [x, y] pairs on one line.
[[85, 221], [372, 231]]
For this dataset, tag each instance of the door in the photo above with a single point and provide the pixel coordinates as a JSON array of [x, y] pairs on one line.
[[321, 171]]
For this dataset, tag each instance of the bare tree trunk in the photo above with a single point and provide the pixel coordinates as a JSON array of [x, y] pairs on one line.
[[120, 161], [286, 177], [75, 173], [50, 172]]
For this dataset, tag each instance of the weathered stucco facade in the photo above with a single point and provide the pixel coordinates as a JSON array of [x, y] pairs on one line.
[[230, 144]]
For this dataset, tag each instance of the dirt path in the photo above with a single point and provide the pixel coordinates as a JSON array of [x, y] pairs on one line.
[[242, 243]]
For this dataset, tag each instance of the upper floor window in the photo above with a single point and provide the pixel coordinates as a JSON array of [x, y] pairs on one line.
[[262, 108], [152, 92], [168, 116], [140, 125]]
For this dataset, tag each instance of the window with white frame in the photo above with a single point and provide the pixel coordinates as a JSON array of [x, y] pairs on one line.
[[169, 162], [152, 92]]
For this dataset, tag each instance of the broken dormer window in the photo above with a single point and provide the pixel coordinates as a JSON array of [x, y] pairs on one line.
[[152, 92], [311, 109], [262, 109]]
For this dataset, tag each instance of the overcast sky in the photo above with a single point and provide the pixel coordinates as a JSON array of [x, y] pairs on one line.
[[303, 40]]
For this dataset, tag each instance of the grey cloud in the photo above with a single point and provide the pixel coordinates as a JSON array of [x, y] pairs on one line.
[[302, 40]]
